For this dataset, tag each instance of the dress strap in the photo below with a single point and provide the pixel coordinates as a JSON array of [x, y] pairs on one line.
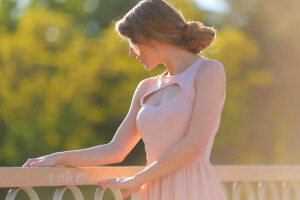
[[189, 78]]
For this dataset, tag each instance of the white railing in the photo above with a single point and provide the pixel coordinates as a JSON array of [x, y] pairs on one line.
[[251, 182]]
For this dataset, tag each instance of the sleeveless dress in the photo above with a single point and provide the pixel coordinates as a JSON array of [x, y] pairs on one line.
[[162, 126]]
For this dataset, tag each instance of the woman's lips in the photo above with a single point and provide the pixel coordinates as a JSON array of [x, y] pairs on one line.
[[141, 60]]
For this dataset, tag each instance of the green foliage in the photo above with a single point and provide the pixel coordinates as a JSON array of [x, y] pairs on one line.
[[61, 89], [59, 95]]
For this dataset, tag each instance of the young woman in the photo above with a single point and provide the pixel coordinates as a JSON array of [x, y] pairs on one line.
[[177, 113]]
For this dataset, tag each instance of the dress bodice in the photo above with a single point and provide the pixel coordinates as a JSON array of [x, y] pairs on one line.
[[164, 125]]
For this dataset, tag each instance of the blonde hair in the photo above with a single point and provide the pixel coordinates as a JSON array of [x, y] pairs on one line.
[[157, 20]]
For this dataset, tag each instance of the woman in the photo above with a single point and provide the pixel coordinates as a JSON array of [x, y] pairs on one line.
[[176, 113]]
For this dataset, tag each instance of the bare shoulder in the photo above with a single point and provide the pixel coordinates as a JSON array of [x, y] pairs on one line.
[[211, 74], [143, 86], [145, 83]]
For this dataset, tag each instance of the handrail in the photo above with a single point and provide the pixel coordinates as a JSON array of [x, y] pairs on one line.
[[61, 176], [267, 176]]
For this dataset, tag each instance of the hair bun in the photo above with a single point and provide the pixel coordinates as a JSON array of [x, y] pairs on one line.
[[196, 36]]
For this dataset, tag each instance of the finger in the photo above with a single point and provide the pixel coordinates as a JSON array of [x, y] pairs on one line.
[[29, 161], [33, 164], [27, 164], [37, 164], [103, 183], [110, 184], [129, 192], [106, 181], [126, 194]]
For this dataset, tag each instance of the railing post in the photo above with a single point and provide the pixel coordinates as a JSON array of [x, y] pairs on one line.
[[59, 192], [12, 193], [100, 192]]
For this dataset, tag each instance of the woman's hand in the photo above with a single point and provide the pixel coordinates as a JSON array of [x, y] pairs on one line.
[[43, 161], [130, 183]]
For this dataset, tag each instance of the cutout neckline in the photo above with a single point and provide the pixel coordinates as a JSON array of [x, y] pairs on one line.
[[165, 75], [167, 100], [164, 81]]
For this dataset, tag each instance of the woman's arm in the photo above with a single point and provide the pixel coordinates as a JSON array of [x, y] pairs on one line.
[[210, 86], [93, 156], [123, 142], [89, 157]]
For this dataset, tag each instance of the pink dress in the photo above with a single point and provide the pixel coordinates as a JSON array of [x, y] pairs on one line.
[[162, 126]]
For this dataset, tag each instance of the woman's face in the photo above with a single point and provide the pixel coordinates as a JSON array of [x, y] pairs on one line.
[[148, 56]]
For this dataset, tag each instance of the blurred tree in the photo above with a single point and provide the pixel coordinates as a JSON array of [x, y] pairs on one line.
[[7, 22], [63, 90], [273, 125]]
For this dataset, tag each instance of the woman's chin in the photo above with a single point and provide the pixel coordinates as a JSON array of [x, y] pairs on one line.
[[145, 67]]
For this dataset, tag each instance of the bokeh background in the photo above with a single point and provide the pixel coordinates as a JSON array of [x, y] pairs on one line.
[[67, 80]]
